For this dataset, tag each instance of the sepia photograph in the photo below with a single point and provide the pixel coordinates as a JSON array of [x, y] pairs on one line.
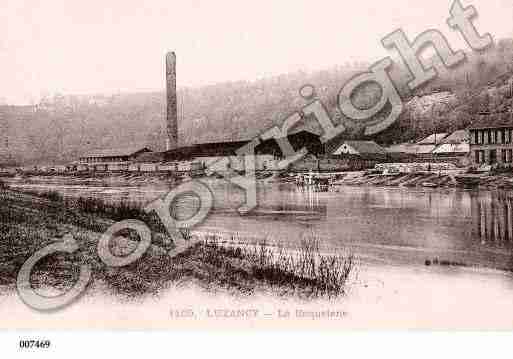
[[271, 165]]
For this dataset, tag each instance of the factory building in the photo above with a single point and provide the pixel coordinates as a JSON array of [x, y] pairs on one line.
[[117, 159], [267, 153]]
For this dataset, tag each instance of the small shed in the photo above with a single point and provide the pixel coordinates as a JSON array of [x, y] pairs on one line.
[[363, 149]]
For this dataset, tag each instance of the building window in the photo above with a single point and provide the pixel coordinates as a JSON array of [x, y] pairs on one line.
[[479, 156], [504, 156], [493, 156]]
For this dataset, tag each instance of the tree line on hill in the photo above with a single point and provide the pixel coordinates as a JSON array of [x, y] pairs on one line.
[[236, 110]]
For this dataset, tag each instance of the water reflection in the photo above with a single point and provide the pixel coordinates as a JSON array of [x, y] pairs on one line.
[[492, 216], [439, 220]]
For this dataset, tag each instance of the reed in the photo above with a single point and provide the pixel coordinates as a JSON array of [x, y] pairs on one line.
[[27, 225], [306, 269]]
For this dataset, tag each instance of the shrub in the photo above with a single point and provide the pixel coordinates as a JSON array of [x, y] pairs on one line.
[[308, 268]]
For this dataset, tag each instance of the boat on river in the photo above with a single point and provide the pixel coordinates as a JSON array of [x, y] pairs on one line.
[[316, 182], [469, 180]]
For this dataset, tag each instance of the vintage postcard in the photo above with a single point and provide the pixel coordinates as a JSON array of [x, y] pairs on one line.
[[320, 165]]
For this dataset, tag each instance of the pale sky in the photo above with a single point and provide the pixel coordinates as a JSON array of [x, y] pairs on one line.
[[102, 46]]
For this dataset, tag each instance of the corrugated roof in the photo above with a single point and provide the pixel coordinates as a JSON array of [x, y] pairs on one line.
[[434, 138], [204, 150], [423, 149], [453, 148], [493, 120], [403, 148], [460, 136], [116, 152], [153, 157], [411, 148], [364, 147], [303, 137]]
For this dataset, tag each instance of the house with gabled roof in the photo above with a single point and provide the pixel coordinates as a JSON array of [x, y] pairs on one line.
[[363, 149], [115, 158], [459, 136], [433, 139], [453, 147]]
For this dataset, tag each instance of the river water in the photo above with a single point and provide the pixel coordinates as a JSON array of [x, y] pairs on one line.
[[381, 224], [393, 231]]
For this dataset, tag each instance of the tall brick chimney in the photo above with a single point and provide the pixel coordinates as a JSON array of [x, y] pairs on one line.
[[172, 108]]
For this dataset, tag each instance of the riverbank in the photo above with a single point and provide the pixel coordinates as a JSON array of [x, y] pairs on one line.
[[30, 222], [427, 179], [381, 298], [381, 224], [430, 179], [150, 293]]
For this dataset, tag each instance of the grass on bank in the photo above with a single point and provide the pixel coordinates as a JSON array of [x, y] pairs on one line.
[[305, 269], [113, 210], [25, 228]]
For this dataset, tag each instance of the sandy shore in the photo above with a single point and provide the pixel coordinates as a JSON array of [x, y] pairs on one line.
[[381, 297]]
